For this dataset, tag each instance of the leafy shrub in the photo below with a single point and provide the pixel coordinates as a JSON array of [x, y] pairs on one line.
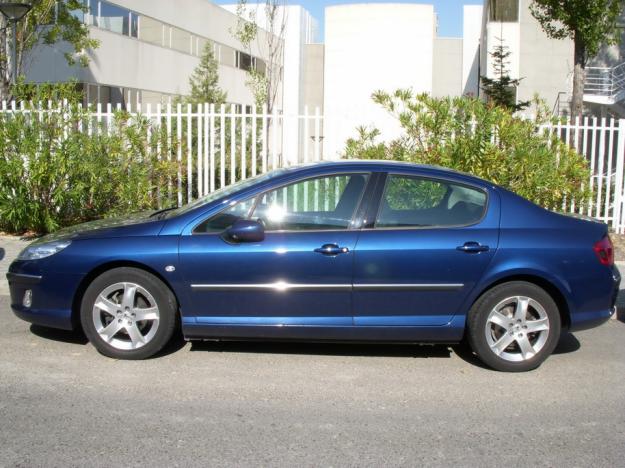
[[54, 173], [468, 135]]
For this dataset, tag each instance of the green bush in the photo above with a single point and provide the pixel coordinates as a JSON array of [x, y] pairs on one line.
[[490, 142], [54, 173]]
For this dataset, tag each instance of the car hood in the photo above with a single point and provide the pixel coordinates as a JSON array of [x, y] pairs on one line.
[[136, 224]]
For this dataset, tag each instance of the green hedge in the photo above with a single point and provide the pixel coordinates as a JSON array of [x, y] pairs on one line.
[[54, 174], [490, 142]]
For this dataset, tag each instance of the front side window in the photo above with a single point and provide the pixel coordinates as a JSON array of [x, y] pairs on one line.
[[226, 218], [324, 203], [417, 202]]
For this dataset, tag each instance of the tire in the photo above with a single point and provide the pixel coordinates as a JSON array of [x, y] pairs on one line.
[[113, 307], [514, 327]]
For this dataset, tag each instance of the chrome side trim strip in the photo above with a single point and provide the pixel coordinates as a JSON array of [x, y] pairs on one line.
[[408, 287], [24, 277], [279, 286]]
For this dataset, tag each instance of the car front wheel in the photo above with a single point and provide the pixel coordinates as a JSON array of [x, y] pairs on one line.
[[514, 327], [128, 313]]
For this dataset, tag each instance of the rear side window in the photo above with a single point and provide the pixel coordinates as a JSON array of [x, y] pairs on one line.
[[418, 202]]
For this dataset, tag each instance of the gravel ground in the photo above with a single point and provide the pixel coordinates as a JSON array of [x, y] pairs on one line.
[[234, 404]]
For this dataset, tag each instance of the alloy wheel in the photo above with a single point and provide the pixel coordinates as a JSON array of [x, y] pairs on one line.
[[126, 316], [517, 328]]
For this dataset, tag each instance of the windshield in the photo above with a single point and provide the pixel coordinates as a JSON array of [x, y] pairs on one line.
[[222, 193]]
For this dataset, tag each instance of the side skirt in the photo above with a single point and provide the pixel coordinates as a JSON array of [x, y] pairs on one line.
[[450, 333]]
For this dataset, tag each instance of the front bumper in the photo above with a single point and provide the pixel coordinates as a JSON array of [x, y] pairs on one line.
[[52, 298]]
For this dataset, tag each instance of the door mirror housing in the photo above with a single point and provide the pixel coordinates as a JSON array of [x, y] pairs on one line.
[[245, 230]]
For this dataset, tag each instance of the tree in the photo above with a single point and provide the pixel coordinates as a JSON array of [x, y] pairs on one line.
[[204, 82], [48, 22], [590, 23], [501, 89], [264, 84]]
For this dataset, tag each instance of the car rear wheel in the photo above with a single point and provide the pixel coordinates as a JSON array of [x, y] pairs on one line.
[[514, 327], [128, 313]]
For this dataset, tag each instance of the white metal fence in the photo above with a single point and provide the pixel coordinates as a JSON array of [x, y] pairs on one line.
[[216, 146]]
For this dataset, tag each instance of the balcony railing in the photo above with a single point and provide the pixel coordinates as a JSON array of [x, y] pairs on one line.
[[605, 85]]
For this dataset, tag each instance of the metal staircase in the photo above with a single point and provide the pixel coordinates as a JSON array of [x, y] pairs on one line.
[[604, 85]]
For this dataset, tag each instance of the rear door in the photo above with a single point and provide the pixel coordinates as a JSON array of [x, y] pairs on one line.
[[430, 243]]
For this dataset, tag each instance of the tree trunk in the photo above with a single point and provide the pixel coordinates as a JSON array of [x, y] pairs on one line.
[[579, 78]]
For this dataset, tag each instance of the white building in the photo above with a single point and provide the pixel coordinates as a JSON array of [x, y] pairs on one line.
[[384, 46], [149, 49]]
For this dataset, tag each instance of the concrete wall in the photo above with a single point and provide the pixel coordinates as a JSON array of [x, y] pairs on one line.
[[313, 97], [546, 65], [371, 47], [313, 76], [447, 67], [471, 38]]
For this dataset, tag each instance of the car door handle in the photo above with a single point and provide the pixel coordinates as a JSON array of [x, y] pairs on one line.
[[473, 247], [331, 249]]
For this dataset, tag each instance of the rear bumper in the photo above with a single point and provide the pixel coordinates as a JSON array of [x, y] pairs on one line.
[[52, 297], [583, 320]]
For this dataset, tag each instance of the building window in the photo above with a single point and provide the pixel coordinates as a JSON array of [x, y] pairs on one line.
[[91, 18], [180, 40], [261, 66], [244, 61], [134, 25], [227, 56], [151, 31], [114, 18], [504, 11]]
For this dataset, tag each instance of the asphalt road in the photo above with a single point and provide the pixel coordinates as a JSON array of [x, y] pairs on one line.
[[207, 404]]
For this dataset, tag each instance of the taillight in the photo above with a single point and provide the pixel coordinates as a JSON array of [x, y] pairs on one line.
[[604, 251]]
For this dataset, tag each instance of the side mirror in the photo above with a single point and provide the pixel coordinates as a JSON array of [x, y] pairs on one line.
[[246, 230]]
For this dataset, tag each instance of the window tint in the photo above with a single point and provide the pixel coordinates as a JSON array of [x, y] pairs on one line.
[[223, 220], [416, 202], [321, 203]]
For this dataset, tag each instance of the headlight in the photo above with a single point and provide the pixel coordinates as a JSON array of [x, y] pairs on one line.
[[35, 252]]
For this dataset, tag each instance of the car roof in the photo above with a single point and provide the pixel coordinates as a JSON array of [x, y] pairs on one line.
[[387, 166]]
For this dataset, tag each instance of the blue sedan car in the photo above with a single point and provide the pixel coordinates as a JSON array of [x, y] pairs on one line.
[[341, 251]]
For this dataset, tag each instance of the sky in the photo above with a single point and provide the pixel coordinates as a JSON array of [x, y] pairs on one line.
[[449, 11]]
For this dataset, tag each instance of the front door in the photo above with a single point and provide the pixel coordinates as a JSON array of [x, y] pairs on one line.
[[431, 243], [300, 274]]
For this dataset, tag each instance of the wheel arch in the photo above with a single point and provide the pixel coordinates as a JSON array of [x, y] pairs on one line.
[[548, 285], [97, 271]]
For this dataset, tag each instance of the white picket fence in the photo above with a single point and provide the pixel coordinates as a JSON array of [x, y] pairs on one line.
[[602, 142], [218, 145]]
